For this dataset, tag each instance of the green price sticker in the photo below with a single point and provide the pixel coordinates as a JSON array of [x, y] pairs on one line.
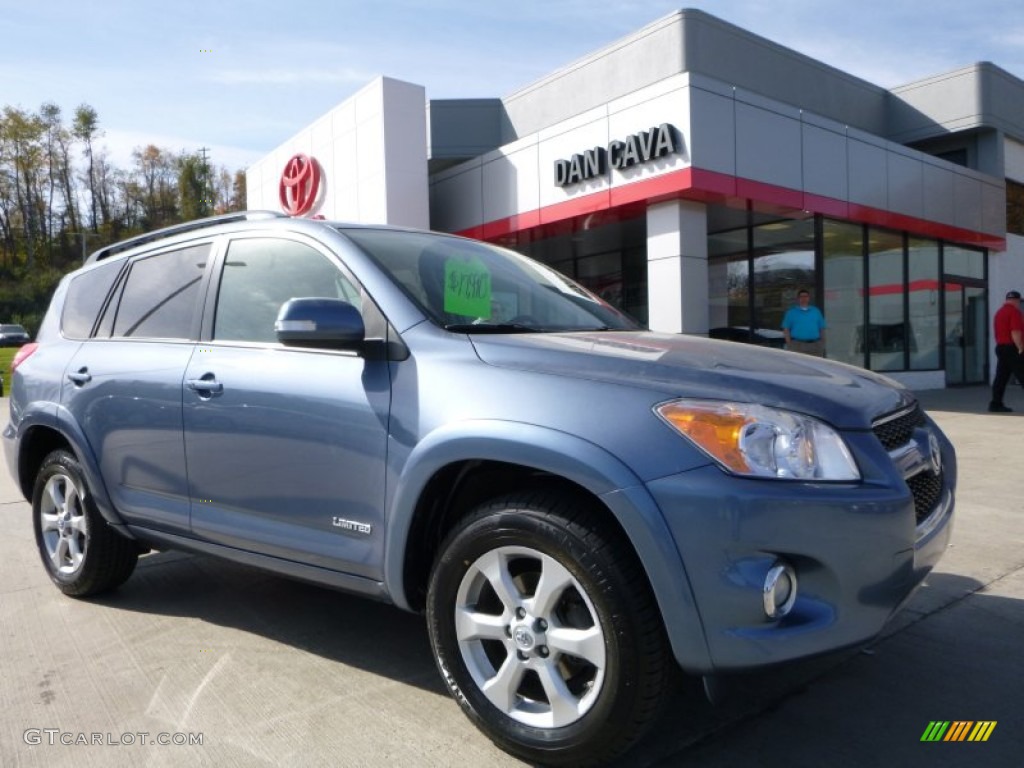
[[467, 288]]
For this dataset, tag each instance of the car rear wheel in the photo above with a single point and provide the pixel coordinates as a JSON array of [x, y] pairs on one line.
[[546, 632], [81, 552]]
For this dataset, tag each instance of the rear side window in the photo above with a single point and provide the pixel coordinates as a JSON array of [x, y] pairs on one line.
[[85, 298], [159, 297], [261, 274]]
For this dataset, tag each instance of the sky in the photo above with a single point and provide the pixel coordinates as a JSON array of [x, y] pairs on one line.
[[240, 78]]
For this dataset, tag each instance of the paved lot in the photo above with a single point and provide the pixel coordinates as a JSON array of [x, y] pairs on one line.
[[273, 672]]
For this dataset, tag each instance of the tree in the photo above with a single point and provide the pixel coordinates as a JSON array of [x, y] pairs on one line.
[[105, 187], [195, 189], [86, 129], [238, 198], [158, 187], [21, 139], [62, 139], [44, 186]]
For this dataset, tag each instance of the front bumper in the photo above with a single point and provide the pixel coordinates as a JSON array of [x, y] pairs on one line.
[[857, 550]]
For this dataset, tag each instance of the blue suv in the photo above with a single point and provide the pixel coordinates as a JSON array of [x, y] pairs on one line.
[[580, 507]]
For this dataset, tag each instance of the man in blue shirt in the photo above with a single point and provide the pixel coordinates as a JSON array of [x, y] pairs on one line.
[[804, 326]]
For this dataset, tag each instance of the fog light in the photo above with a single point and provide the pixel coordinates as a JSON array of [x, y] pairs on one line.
[[779, 590]]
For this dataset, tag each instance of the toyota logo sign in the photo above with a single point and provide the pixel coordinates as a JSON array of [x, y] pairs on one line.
[[300, 184]]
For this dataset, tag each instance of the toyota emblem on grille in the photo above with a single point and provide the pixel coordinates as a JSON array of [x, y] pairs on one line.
[[935, 453]]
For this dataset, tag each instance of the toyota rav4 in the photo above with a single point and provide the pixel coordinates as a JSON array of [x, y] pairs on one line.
[[578, 506]]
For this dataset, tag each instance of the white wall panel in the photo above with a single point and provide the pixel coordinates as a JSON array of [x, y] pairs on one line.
[[867, 173], [669, 87], [356, 154], [677, 267], [373, 200], [966, 201], [343, 118], [768, 145], [824, 161], [666, 107], [1005, 273], [406, 204], [254, 187], [905, 177], [938, 193], [511, 183], [993, 207], [456, 200], [368, 102], [555, 145], [370, 140], [712, 138], [321, 132]]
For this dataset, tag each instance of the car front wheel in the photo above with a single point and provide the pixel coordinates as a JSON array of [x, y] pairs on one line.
[[546, 632], [82, 554]]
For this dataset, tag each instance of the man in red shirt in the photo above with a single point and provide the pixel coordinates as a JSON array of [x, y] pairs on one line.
[[1009, 331]]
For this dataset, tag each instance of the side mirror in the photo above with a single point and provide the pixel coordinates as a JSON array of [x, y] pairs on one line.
[[320, 323]]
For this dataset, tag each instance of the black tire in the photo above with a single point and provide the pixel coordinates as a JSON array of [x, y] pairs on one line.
[[605, 702], [81, 552]]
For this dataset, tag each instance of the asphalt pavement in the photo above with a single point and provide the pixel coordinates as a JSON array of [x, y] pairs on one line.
[[234, 667]]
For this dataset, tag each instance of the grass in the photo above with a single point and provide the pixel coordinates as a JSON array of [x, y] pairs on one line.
[[6, 355]]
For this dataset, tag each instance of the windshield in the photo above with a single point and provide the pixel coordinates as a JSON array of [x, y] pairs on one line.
[[473, 287], [11, 329]]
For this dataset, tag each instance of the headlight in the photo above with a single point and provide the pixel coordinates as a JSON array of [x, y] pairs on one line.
[[757, 441]]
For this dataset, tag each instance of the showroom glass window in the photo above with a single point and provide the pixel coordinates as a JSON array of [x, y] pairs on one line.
[[783, 264], [843, 303], [608, 257], [885, 336], [729, 282], [923, 303], [963, 262], [160, 294]]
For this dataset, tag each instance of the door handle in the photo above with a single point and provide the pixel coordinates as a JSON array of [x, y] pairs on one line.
[[207, 386], [80, 377]]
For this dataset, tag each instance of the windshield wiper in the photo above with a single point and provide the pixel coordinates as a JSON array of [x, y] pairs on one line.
[[491, 328]]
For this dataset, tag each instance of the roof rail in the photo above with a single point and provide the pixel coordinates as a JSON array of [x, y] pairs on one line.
[[177, 229]]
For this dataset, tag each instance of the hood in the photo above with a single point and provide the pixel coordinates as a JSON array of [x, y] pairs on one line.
[[689, 366]]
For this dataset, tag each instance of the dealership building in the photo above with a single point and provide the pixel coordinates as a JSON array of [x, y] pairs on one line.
[[697, 176]]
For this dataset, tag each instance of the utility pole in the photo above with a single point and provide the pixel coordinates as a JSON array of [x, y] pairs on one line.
[[207, 181], [85, 236]]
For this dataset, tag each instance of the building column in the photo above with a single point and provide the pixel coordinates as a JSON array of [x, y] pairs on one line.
[[677, 267]]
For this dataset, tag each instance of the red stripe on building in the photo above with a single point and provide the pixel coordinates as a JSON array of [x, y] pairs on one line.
[[913, 285], [719, 188]]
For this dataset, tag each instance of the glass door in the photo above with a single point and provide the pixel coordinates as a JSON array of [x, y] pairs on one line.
[[954, 334], [966, 330], [975, 335]]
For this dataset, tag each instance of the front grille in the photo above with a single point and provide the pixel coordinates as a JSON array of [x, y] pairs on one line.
[[927, 490], [896, 430]]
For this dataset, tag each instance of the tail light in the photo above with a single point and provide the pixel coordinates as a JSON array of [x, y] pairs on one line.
[[23, 354]]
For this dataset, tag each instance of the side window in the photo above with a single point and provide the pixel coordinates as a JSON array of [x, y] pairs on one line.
[[85, 298], [159, 296], [261, 274]]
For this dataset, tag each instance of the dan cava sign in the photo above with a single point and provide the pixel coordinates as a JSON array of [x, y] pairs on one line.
[[642, 147]]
